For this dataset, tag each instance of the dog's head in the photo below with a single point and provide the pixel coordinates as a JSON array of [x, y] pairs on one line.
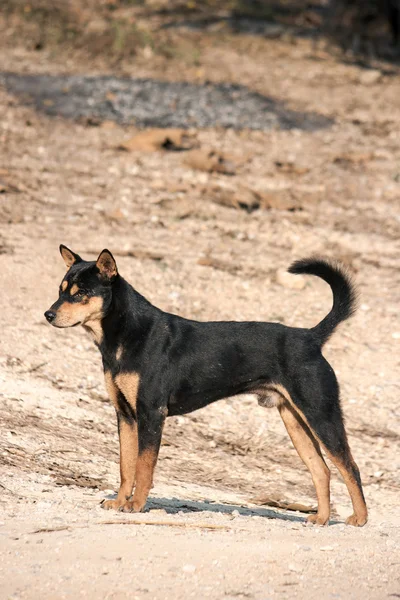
[[85, 292]]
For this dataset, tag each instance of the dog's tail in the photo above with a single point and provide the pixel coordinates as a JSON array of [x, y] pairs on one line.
[[343, 289]]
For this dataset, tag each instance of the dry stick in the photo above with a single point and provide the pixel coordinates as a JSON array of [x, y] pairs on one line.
[[167, 524], [51, 529], [158, 523], [33, 369], [17, 495], [140, 254]]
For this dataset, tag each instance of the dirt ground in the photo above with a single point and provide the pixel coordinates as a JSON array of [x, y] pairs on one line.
[[333, 191]]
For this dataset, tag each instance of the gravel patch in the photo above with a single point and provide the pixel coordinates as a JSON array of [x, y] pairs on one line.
[[152, 103]]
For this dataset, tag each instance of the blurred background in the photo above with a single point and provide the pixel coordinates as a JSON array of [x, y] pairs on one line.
[[126, 27], [207, 145]]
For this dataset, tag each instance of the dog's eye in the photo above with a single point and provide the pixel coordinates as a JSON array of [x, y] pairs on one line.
[[80, 294]]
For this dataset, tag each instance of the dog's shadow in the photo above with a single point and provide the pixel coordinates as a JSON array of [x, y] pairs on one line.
[[173, 506], [176, 505]]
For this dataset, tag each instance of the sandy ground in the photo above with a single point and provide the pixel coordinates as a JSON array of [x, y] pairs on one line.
[[64, 182]]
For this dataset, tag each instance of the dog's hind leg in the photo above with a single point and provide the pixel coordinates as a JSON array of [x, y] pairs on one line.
[[309, 451], [317, 401], [351, 475]]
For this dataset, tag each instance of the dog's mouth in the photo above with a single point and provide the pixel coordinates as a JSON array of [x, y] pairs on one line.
[[65, 326]]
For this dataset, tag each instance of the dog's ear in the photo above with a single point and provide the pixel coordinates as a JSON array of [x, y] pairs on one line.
[[106, 265], [70, 258]]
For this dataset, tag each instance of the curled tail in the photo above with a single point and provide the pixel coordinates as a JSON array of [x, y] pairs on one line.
[[343, 289]]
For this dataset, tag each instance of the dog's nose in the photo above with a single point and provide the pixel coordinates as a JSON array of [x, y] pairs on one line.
[[50, 315]]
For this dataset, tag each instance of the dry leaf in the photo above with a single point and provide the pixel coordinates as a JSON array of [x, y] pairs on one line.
[[242, 197], [211, 161], [81, 481], [353, 158], [141, 254], [250, 199], [221, 265], [7, 186], [153, 140], [291, 168]]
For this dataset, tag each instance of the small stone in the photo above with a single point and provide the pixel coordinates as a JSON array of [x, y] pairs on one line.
[[188, 568], [370, 77]]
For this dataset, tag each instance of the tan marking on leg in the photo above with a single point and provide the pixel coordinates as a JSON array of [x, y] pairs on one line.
[[128, 447], [308, 449], [64, 285], [360, 515], [146, 463], [128, 383], [94, 314], [89, 313], [128, 444], [111, 388], [74, 289], [119, 352]]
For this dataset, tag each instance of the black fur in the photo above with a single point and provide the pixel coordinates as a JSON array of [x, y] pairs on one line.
[[184, 365], [344, 293]]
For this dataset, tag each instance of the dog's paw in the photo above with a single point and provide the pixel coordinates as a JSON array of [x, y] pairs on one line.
[[132, 506], [112, 504], [357, 521], [317, 520]]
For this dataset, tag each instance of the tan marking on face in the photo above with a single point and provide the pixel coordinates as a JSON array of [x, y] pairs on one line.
[[119, 352], [88, 314], [74, 289], [128, 383], [64, 286]]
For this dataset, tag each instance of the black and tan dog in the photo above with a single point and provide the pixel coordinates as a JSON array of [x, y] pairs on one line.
[[158, 364]]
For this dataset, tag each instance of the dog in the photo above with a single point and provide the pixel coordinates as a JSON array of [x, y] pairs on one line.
[[158, 364]]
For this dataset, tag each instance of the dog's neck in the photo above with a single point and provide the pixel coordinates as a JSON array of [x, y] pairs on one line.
[[95, 329], [129, 316]]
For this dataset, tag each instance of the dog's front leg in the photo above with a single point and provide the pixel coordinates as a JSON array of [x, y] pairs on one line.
[[128, 444], [150, 422], [128, 450]]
